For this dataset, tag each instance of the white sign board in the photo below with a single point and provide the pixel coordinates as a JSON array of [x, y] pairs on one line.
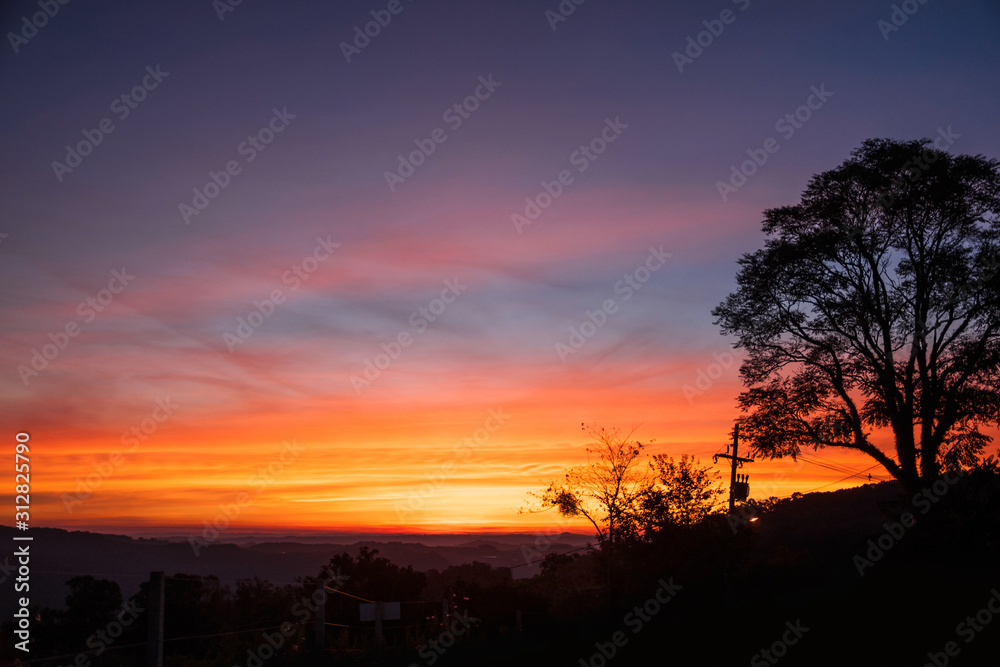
[[390, 611]]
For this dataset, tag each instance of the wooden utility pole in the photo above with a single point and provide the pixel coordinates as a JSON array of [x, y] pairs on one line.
[[736, 461], [379, 613], [154, 633], [320, 634]]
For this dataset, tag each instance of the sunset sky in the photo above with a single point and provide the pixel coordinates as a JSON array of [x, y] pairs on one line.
[[137, 284]]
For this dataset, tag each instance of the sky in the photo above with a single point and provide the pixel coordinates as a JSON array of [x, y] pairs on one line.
[[263, 270]]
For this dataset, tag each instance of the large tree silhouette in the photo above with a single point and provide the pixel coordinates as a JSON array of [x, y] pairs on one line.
[[875, 306]]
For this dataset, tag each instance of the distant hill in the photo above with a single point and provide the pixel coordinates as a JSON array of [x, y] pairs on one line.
[[824, 560], [833, 517], [58, 555], [837, 520]]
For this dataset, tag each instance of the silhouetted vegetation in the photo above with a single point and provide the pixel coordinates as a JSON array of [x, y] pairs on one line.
[[799, 561], [875, 303]]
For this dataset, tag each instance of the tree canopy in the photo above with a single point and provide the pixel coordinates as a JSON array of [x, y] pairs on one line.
[[627, 502], [606, 490], [684, 493], [874, 307]]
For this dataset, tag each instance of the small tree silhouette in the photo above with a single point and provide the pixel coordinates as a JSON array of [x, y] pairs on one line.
[[606, 490]]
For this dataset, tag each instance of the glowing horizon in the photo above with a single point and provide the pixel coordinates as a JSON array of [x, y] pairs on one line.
[[178, 306]]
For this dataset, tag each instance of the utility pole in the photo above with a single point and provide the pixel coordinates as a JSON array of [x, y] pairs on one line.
[[154, 633], [320, 628], [736, 462], [379, 613]]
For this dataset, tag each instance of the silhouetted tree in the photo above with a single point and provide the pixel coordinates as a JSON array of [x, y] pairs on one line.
[[373, 577], [194, 605], [552, 563], [683, 493], [876, 303], [604, 491], [91, 603]]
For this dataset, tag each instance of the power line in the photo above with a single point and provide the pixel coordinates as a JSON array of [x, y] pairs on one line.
[[348, 594], [220, 634], [834, 467], [841, 480], [828, 462]]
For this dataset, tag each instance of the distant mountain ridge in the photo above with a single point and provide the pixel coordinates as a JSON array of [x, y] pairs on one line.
[[58, 555], [840, 519]]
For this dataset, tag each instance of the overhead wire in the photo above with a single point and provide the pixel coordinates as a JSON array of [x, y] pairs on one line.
[[841, 480], [336, 590], [833, 467]]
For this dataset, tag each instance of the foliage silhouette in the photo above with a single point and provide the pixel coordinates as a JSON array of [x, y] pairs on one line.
[[606, 490], [683, 493], [875, 303]]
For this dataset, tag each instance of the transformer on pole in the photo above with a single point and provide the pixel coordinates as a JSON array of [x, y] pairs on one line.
[[739, 489]]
